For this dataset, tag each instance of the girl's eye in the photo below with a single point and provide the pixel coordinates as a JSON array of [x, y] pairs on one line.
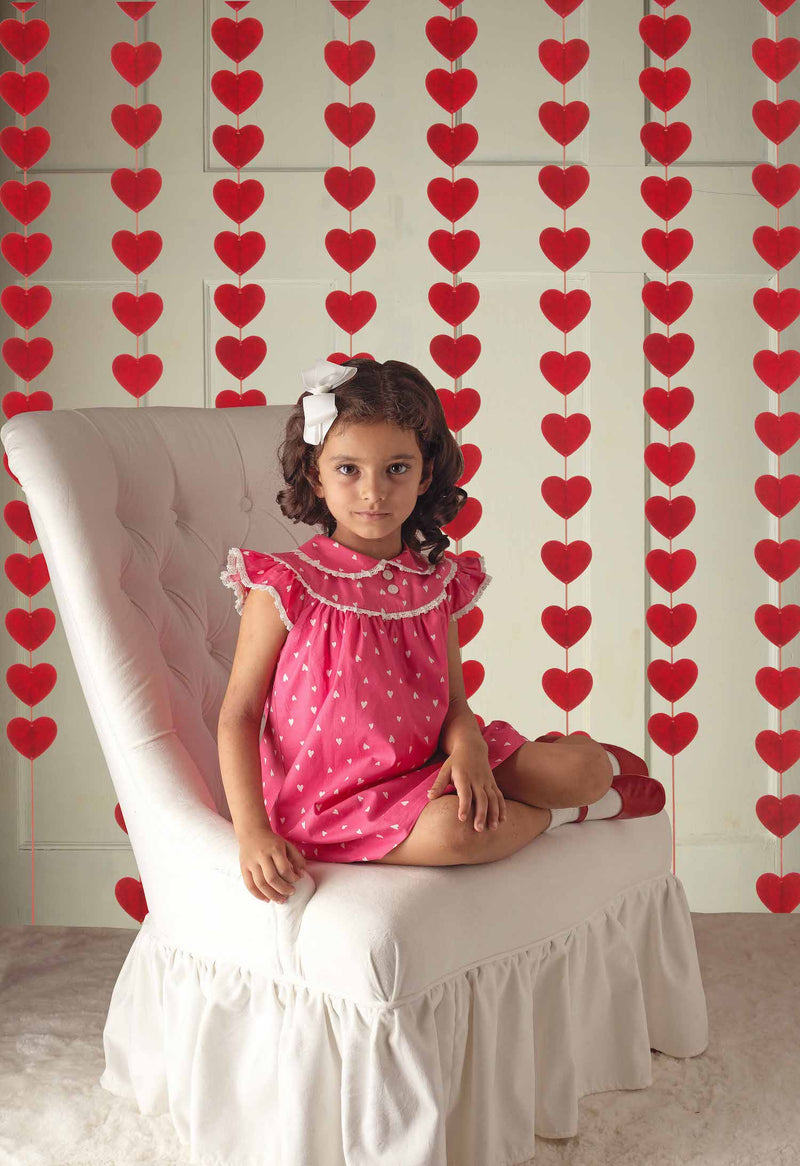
[[350, 465]]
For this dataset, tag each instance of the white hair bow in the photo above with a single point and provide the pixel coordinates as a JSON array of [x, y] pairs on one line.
[[320, 409]]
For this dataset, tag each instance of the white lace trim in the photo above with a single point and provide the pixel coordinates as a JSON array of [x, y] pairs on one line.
[[232, 577], [481, 588], [381, 565]]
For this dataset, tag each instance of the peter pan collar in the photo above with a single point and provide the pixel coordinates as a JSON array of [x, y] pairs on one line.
[[333, 558]]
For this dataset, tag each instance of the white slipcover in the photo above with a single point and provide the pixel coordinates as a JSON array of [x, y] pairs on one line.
[[429, 1016]]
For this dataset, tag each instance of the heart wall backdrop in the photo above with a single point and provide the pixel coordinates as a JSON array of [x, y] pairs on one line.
[[596, 203]]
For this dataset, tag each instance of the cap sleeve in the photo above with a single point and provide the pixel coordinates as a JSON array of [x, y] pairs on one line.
[[247, 569], [467, 584]]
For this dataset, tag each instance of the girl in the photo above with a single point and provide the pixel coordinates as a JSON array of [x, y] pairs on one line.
[[370, 751]]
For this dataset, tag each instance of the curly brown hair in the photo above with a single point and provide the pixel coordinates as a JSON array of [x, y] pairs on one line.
[[398, 393]]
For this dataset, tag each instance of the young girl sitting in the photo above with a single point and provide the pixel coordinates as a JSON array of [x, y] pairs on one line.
[[370, 751]]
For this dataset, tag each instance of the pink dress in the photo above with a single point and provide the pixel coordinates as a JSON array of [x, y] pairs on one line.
[[360, 690]]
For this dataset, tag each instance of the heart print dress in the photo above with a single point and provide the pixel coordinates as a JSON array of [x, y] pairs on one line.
[[360, 690]]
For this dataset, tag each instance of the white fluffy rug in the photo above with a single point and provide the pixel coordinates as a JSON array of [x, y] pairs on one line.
[[735, 1105]]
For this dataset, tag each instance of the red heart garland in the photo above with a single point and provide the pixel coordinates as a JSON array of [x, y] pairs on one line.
[[349, 187], [459, 407], [670, 516], [563, 61], [136, 9], [455, 355], [565, 434], [566, 626], [667, 249], [24, 93], [777, 7], [136, 63], [237, 91], [230, 399], [349, 123], [24, 41], [451, 90], [30, 629], [453, 199], [136, 126], [452, 145], [667, 302], [564, 7], [564, 186], [669, 463], [136, 252], [672, 734], [238, 147], [668, 354], [474, 673], [778, 624], [777, 121], [32, 738], [27, 358], [666, 143], [670, 569], [18, 519], [137, 313], [777, 248], [350, 250], [454, 304], [238, 200], [239, 305], [671, 624], [472, 461], [137, 374], [778, 370], [565, 371], [567, 689], [777, 184], [454, 251], [349, 8], [239, 252], [468, 626], [26, 306], [778, 434], [136, 188], [665, 89], [237, 38], [25, 147], [565, 310], [669, 409], [564, 248], [564, 122], [25, 201], [672, 681], [37, 402], [130, 895], [777, 309], [666, 198], [566, 496], [664, 36], [31, 685], [779, 750], [566, 561], [28, 575], [351, 312], [778, 560], [26, 255], [780, 688], [347, 62], [778, 495], [119, 818], [240, 357], [780, 895], [776, 58], [451, 38], [465, 521]]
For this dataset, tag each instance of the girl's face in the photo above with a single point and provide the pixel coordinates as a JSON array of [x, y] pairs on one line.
[[371, 467]]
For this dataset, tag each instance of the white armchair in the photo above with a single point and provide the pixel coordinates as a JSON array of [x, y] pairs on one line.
[[429, 1016]]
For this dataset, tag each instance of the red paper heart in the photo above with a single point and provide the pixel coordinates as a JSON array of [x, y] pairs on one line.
[[240, 357], [27, 358], [31, 738], [452, 145], [136, 9], [230, 399], [349, 8], [238, 200], [668, 409], [24, 92], [349, 123], [779, 687], [778, 370], [349, 62], [24, 40], [777, 184], [137, 374], [565, 371], [136, 252], [25, 147], [564, 7], [454, 304], [565, 310], [238, 147], [779, 895], [666, 198], [28, 575], [672, 734], [26, 306], [668, 354], [667, 302], [18, 519], [780, 815], [778, 560], [472, 460], [237, 38], [350, 249], [669, 463], [777, 248], [776, 58], [451, 38], [137, 313], [15, 402], [566, 560], [664, 36], [26, 255], [778, 434], [31, 685], [564, 248], [453, 199], [564, 122], [455, 355], [136, 126], [670, 569], [349, 187], [131, 898], [237, 91], [565, 434], [239, 305], [454, 251], [239, 252], [119, 818], [666, 143], [459, 407], [777, 7], [566, 496], [566, 626], [473, 673], [777, 309], [465, 521], [563, 61], [451, 90], [351, 312], [25, 201], [671, 624], [778, 750], [468, 625], [136, 63], [779, 624], [670, 516], [564, 186], [672, 680], [567, 689], [665, 89], [30, 629], [136, 188], [777, 121]]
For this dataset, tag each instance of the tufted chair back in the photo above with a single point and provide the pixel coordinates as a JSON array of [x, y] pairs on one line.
[[135, 510]]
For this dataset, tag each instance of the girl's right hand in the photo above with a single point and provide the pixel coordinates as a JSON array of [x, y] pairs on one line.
[[269, 864]]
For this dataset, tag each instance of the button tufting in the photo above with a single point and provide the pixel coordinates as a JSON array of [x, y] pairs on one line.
[[392, 587], [387, 574], [246, 504]]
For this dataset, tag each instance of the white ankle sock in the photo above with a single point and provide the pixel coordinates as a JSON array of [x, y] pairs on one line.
[[608, 806]]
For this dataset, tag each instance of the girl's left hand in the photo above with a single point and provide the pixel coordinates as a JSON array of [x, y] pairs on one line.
[[468, 769]]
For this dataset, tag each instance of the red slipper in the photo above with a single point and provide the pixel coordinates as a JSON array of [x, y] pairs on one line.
[[641, 796], [628, 762]]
